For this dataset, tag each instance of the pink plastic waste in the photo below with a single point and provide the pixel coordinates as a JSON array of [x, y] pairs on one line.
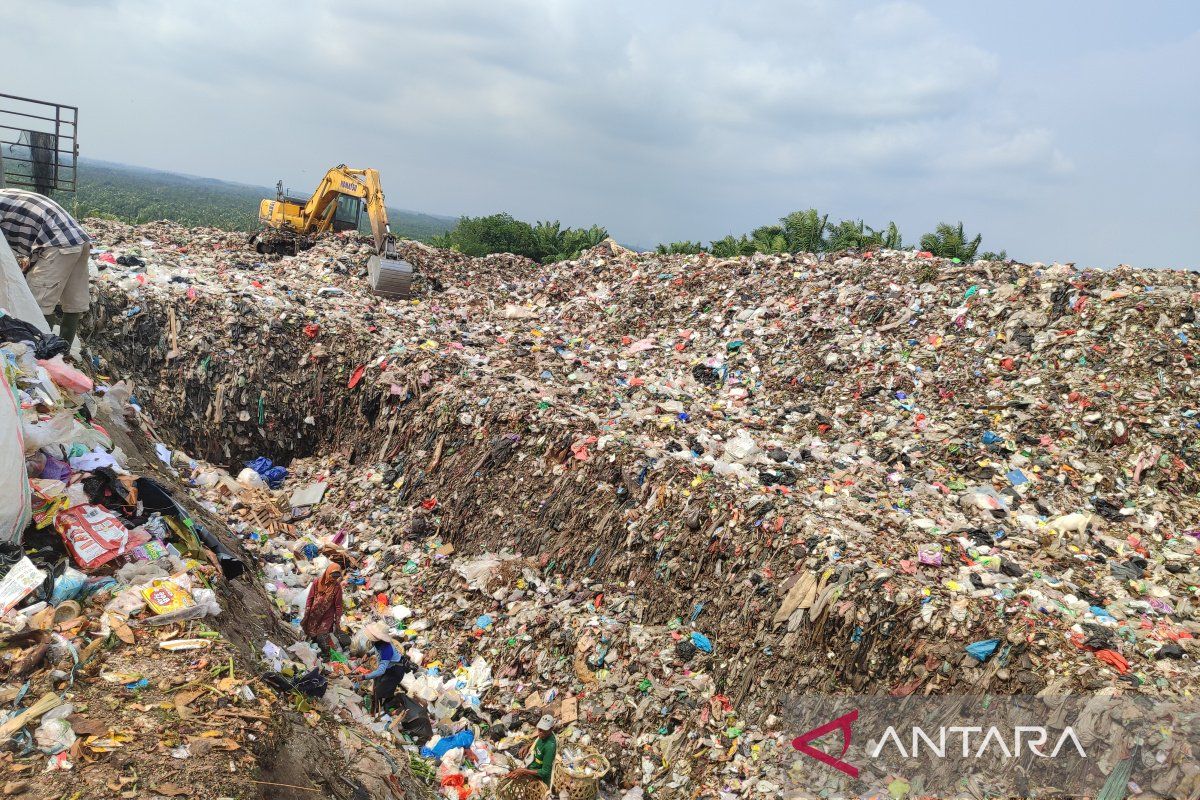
[[65, 375]]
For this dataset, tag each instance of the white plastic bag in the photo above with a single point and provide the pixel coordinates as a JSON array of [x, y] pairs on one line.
[[55, 734], [57, 430], [250, 479]]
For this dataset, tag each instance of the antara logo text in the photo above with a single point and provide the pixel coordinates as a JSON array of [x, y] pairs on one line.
[[976, 742]]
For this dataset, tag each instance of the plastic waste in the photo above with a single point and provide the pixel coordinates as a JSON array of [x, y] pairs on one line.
[[445, 744], [65, 375], [54, 734]]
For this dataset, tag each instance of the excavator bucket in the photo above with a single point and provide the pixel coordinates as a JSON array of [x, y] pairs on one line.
[[390, 276]]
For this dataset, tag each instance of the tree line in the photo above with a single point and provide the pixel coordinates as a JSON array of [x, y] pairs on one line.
[[810, 232], [545, 242], [799, 232]]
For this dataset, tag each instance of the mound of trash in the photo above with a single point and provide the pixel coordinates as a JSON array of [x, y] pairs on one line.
[[659, 497]]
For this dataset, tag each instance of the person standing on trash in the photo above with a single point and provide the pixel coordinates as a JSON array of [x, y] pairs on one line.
[[56, 248], [323, 609], [393, 666], [545, 748]]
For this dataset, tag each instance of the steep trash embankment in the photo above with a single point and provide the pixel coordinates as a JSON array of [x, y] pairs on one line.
[[839, 472]]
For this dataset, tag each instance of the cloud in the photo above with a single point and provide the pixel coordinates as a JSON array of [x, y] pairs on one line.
[[665, 120]]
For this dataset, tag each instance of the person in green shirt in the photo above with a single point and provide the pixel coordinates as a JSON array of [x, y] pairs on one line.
[[545, 747]]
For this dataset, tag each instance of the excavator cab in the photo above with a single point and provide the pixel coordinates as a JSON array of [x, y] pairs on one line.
[[348, 213]]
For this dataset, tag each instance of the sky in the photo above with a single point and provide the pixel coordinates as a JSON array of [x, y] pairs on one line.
[[1062, 131]]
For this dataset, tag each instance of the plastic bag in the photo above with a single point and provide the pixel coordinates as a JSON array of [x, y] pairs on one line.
[[54, 734], [164, 597], [305, 652], [204, 604], [67, 585], [65, 375], [464, 738], [251, 479], [114, 403], [273, 655], [58, 430], [94, 535], [126, 603]]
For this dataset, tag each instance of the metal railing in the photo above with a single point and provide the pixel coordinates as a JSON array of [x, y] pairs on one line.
[[39, 145]]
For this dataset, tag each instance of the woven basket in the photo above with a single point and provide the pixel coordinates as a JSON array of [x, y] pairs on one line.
[[577, 785], [521, 789]]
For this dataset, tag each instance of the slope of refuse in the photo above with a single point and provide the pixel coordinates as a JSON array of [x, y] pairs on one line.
[[130, 617], [658, 496]]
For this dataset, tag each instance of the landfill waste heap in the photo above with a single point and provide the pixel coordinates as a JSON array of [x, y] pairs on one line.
[[659, 497]]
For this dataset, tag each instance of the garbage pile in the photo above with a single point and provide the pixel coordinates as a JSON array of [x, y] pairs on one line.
[[106, 601], [657, 496]]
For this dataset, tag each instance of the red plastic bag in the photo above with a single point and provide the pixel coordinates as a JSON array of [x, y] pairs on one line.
[[94, 535]]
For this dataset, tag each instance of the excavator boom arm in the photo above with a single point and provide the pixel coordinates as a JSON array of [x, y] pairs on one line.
[[361, 183]]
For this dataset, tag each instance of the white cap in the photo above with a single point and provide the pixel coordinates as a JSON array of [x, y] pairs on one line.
[[546, 723]]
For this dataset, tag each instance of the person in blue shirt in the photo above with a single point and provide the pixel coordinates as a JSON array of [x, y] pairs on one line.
[[393, 666]]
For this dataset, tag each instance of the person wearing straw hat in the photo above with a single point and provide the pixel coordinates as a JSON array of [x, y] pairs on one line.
[[545, 748], [393, 666]]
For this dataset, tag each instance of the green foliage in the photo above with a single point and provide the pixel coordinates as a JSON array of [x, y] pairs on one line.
[[851, 235], [890, 238], [848, 235], [680, 249], [498, 233], [730, 247], [805, 231], [949, 241], [990, 256], [136, 195], [769, 239], [801, 231], [501, 233]]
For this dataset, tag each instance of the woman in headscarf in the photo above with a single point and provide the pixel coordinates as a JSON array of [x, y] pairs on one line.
[[323, 610]]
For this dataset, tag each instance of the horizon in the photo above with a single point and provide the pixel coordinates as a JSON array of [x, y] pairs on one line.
[[1063, 140]]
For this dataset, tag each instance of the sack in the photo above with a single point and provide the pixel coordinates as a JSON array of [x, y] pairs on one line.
[[15, 295], [94, 535], [15, 510], [58, 430]]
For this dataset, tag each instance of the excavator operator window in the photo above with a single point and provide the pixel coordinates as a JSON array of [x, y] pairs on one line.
[[349, 209]]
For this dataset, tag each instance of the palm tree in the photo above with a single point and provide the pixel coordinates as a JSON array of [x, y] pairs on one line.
[[805, 231], [769, 239], [850, 235], [679, 248], [949, 241], [549, 239], [890, 239]]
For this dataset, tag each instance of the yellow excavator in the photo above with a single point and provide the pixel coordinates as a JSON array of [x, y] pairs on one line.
[[292, 224]]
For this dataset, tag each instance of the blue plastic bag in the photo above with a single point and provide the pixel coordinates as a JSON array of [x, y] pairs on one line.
[[464, 738], [273, 475], [980, 651], [702, 642]]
